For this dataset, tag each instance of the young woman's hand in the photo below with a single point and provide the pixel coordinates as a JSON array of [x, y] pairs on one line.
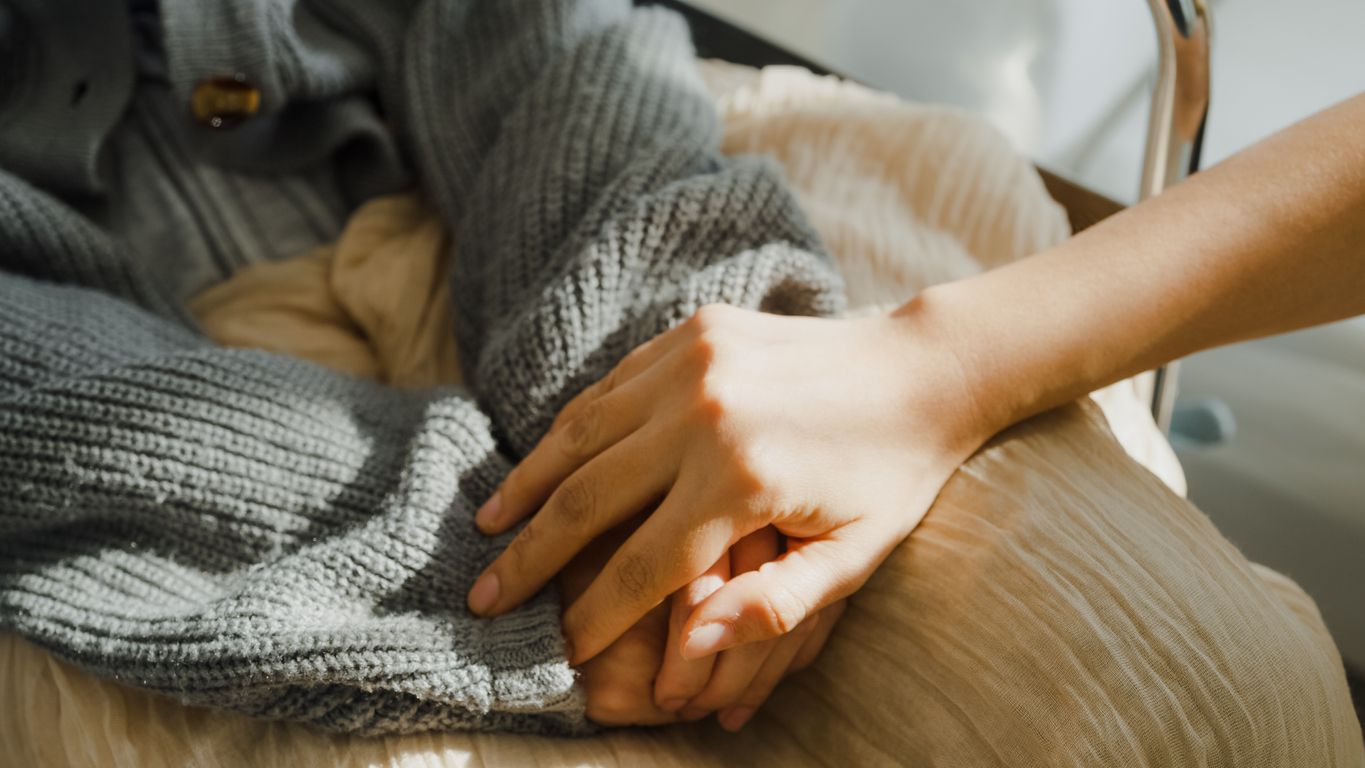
[[838, 433]]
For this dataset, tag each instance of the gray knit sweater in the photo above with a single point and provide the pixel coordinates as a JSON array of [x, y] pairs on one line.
[[253, 532]]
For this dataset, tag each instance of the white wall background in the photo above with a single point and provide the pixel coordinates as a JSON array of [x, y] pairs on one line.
[[1067, 82]]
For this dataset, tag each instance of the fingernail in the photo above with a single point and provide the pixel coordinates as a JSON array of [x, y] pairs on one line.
[[489, 512], [708, 639], [484, 594], [672, 705], [734, 719]]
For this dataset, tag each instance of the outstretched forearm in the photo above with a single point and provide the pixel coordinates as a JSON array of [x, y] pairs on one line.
[[1269, 241], [840, 433]]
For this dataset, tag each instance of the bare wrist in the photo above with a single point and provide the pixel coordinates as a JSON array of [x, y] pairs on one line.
[[958, 386]]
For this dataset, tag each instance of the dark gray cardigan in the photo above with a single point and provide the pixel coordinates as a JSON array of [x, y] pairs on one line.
[[252, 532]]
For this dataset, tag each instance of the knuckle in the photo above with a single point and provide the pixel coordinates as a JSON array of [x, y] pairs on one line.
[[580, 435], [780, 611], [749, 473], [714, 399], [636, 360], [709, 316], [609, 382], [565, 415], [631, 361], [525, 539], [710, 408], [599, 389], [709, 348], [634, 576], [574, 502], [714, 394]]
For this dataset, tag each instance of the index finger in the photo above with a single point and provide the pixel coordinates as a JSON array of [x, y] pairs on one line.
[[594, 420], [605, 492]]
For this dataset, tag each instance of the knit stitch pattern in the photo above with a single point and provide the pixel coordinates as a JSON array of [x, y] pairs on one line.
[[253, 532]]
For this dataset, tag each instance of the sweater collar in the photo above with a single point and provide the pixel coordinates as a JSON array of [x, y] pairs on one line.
[[71, 80]]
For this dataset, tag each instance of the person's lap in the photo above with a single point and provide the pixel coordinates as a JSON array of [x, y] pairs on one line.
[[1057, 605]]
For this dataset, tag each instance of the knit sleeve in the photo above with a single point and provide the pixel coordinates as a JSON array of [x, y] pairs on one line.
[[575, 151], [247, 531], [252, 532]]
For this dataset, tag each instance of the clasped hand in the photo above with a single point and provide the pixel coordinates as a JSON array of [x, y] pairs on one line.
[[642, 679], [753, 468]]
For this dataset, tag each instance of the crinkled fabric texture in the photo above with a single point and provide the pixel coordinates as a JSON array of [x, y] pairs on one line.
[[1058, 606], [376, 303], [252, 532]]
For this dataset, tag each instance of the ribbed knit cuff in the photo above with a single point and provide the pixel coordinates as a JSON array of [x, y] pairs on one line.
[[252, 532]]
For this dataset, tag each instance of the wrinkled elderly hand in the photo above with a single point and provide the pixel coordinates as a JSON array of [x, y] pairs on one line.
[[640, 679], [837, 433]]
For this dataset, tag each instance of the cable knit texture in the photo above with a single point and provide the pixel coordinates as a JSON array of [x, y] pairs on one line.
[[253, 532]]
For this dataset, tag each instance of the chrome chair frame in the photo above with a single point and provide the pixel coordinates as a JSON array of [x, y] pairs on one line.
[[1175, 131]]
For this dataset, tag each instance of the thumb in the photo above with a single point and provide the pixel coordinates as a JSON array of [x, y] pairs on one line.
[[774, 599]]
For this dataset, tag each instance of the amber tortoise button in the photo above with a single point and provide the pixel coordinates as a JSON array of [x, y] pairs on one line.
[[225, 101]]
